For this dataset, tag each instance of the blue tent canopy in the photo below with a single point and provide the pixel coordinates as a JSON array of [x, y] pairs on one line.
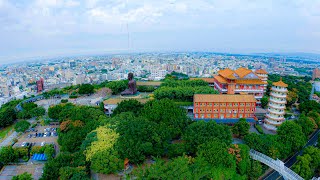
[[39, 157]]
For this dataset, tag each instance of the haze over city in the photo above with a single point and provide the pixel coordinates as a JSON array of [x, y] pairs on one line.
[[43, 28]]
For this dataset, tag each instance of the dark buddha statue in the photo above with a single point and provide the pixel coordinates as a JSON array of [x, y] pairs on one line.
[[132, 86]]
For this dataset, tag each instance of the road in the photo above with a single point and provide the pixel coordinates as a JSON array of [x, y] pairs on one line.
[[290, 162], [8, 139]]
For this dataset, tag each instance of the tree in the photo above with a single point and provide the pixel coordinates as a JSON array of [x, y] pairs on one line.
[[36, 112], [265, 143], [291, 136], [264, 101], [8, 154], [64, 159], [241, 128], [117, 86], [23, 176], [315, 116], [7, 116], [29, 106], [292, 96], [306, 124], [216, 153], [166, 113], [308, 106], [130, 105], [49, 151], [139, 138], [73, 173], [22, 126], [86, 89], [200, 132], [255, 171], [106, 161], [54, 111], [178, 168], [303, 166]]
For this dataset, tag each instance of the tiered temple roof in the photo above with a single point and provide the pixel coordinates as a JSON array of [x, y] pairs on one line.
[[241, 76]]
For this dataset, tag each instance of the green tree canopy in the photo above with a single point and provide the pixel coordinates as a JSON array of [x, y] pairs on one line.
[[200, 132], [216, 153], [291, 136], [117, 86], [22, 126], [167, 114], [8, 154], [130, 105], [23, 176], [241, 128], [86, 89]]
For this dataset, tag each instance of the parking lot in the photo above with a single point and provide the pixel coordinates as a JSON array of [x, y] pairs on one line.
[[46, 134], [12, 170]]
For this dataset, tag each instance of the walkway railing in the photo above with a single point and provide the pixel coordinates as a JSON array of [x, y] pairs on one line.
[[275, 164]]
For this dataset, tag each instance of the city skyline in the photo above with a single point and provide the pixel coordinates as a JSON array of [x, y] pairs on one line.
[[65, 27]]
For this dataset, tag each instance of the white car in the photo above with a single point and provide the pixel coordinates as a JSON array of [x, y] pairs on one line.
[[43, 143]]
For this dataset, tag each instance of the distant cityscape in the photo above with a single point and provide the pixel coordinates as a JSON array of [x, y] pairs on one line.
[[29, 78]]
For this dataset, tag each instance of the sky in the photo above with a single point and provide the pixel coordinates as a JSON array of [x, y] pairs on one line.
[[43, 28]]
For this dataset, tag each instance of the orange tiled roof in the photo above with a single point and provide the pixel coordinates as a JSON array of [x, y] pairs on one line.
[[226, 72], [250, 81], [280, 83], [223, 98], [242, 72], [261, 71], [220, 79], [208, 80], [243, 93]]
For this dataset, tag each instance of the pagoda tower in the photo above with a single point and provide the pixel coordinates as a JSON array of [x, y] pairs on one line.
[[276, 105]]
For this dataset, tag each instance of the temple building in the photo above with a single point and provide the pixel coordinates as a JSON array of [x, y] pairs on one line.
[[242, 81], [263, 74], [223, 106], [276, 105]]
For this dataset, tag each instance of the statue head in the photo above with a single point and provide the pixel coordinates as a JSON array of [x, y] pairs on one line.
[[130, 76]]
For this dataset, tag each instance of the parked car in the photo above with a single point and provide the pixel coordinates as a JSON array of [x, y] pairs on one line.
[[25, 144], [55, 134], [29, 135], [41, 134], [43, 143]]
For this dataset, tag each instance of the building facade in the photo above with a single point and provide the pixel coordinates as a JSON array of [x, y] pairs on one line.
[[223, 106], [315, 74], [239, 81], [263, 74], [40, 85], [276, 106]]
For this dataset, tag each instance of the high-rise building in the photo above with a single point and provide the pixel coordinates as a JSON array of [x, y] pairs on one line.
[[40, 85], [276, 106], [223, 106], [316, 74]]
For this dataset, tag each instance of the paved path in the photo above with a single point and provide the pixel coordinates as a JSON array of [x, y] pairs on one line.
[[8, 139]]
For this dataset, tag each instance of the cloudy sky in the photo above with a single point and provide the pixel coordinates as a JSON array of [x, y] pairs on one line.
[[35, 28]]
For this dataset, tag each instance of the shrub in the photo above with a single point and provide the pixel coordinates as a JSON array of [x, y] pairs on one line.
[[259, 128], [64, 100], [73, 96], [24, 176]]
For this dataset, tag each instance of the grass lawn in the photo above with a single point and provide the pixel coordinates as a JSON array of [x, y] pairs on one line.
[[4, 131]]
